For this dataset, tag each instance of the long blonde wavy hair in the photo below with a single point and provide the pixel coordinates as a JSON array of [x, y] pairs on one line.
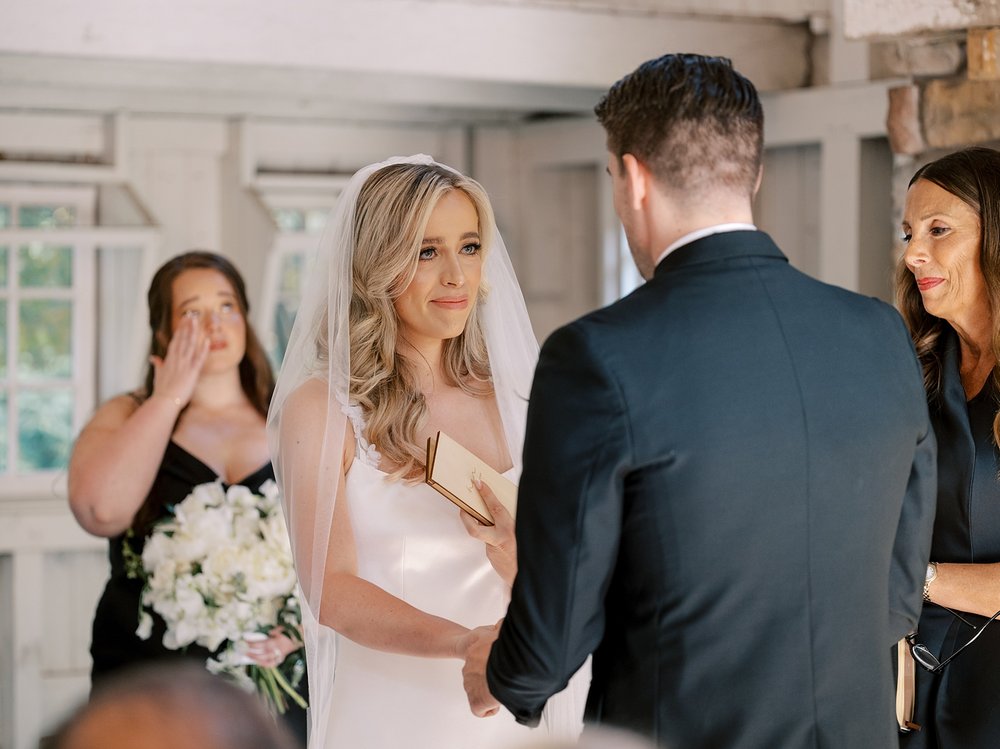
[[392, 212], [972, 174]]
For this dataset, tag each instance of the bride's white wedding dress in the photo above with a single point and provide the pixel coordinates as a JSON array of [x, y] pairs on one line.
[[411, 542]]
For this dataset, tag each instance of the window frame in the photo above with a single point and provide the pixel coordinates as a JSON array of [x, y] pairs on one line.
[[81, 380], [86, 241], [289, 192], [83, 198], [81, 296], [298, 244]]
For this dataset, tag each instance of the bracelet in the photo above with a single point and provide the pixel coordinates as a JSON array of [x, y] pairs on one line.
[[930, 577], [173, 399]]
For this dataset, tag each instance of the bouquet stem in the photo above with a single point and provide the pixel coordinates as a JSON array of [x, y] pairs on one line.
[[289, 689], [275, 687]]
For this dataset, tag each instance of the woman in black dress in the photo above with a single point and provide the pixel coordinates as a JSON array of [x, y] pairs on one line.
[[199, 418], [949, 294]]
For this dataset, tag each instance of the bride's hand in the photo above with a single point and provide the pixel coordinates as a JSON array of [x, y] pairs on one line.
[[472, 637], [501, 546]]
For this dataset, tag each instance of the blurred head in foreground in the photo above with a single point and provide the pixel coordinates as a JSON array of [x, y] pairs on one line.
[[170, 706]]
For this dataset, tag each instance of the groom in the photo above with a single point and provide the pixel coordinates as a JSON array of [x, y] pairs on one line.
[[729, 475]]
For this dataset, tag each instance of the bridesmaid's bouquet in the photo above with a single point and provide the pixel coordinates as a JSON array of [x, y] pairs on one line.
[[219, 572]]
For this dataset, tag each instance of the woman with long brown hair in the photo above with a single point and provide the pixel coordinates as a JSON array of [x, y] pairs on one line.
[[199, 417], [949, 293]]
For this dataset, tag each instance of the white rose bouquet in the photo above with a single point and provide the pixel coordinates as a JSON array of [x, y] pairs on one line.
[[219, 572]]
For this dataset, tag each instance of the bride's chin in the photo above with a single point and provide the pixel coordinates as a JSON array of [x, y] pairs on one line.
[[452, 331]]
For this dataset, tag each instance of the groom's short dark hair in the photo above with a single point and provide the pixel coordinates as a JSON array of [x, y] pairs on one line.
[[692, 120]]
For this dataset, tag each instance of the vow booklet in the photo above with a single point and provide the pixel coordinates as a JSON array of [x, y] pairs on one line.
[[451, 469]]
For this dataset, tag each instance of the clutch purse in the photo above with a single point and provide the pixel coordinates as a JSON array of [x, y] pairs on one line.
[[451, 470]]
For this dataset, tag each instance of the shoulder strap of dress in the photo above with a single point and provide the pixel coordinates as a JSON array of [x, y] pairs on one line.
[[367, 452]]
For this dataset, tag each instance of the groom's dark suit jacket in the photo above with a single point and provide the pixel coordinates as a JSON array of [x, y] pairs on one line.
[[727, 497]]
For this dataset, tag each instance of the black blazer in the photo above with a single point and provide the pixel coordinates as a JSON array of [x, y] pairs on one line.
[[727, 497], [959, 708]]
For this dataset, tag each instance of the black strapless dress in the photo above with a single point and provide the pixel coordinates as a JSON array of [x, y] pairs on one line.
[[114, 643]]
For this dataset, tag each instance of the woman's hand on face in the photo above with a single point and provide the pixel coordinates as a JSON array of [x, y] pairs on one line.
[[501, 546], [176, 374]]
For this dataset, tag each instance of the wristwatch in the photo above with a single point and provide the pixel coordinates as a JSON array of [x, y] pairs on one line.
[[930, 577]]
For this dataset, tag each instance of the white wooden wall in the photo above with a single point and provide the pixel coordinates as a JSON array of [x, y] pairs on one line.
[[51, 574]]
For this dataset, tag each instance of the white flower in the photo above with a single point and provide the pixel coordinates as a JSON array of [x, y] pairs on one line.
[[156, 551], [222, 566], [246, 527], [239, 496], [205, 529], [145, 628], [272, 496], [205, 495]]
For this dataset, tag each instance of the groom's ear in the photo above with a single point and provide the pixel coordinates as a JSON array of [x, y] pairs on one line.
[[637, 181]]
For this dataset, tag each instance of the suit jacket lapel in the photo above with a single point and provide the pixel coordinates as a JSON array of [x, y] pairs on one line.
[[956, 461]]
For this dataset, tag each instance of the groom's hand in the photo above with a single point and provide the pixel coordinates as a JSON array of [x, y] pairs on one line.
[[482, 703]]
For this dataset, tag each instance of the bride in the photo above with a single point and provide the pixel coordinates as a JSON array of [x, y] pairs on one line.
[[412, 322]]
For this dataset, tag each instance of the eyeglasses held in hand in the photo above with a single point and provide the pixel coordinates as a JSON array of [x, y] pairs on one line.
[[922, 654]]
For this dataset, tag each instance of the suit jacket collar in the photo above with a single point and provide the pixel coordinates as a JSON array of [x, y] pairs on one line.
[[952, 391], [717, 247], [953, 397]]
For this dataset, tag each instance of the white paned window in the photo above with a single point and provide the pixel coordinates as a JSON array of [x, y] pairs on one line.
[[46, 330], [51, 321]]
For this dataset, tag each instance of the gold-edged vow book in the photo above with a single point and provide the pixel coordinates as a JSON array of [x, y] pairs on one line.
[[451, 469]]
